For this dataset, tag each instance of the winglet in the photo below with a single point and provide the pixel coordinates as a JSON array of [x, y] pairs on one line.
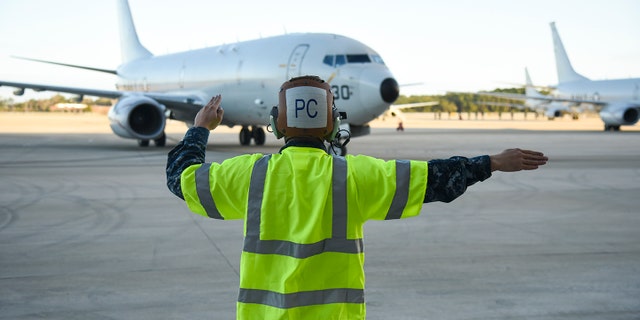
[[563, 65], [130, 47]]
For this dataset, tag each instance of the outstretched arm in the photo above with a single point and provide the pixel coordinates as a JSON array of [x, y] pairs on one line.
[[512, 160], [449, 178]]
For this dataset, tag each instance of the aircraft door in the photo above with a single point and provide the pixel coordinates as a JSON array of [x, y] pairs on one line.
[[295, 60]]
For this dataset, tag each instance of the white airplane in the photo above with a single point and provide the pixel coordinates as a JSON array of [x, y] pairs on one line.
[[535, 100], [619, 99], [151, 89]]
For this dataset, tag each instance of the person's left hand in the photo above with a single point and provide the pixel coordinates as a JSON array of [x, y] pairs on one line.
[[210, 115], [512, 160]]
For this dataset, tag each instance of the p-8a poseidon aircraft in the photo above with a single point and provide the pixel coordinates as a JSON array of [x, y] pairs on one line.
[[618, 100], [152, 88]]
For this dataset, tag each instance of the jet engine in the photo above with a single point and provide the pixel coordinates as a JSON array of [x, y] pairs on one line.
[[617, 114], [553, 113], [138, 117]]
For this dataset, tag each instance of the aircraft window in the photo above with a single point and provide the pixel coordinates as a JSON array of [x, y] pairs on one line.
[[328, 59], [377, 59], [358, 58], [341, 59]]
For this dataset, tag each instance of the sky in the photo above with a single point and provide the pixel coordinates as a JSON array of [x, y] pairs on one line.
[[438, 46]]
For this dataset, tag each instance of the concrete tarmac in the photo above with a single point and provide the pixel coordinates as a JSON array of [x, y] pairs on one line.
[[88, 229]]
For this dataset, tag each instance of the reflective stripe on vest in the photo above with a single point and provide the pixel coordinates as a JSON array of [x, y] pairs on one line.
[[204, 192], [403, 174], [300, 299], [337, 243]]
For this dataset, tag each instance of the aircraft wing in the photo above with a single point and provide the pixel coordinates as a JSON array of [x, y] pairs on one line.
[[516, 96], [405, 106], [113, 94], [184, 107], [395, 110]]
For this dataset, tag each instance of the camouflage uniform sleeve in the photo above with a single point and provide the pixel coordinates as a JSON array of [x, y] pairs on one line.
[[191, 150], [449, 178]]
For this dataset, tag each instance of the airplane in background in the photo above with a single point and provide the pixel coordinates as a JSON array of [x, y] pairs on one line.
[[152, 89], [617, 99], [535, 100]]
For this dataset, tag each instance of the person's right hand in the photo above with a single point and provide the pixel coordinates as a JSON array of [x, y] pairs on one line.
[[512, 160], [210, 115]]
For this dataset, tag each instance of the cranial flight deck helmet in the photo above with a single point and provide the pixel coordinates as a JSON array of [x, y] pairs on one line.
[[305, 109]]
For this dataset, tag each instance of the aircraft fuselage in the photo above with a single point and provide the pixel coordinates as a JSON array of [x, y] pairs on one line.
[[249, 74]]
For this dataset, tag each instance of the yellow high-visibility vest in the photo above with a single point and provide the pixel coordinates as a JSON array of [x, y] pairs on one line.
[[304, 211]]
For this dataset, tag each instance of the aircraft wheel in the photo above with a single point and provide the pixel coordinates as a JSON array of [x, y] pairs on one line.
[[143, 143], [245, 136], [258, 135], [611, 128], [162, 141]]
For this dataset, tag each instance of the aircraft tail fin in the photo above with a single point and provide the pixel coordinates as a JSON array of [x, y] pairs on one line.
[[130, 47], [563, 65]]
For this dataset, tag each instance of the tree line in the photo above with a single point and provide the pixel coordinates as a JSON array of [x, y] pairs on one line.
[[47, 105], [462, 102]]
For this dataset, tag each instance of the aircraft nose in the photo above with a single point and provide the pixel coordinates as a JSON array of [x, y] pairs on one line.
[[389, 90]]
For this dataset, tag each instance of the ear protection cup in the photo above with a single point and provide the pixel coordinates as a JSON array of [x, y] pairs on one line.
[[273, 118], [336, 124]]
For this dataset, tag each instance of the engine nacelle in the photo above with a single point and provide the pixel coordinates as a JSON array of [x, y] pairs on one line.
[[617, 114], [553, 113], [137, 117]]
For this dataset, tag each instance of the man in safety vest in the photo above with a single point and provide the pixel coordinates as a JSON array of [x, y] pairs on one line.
[[304, 209]]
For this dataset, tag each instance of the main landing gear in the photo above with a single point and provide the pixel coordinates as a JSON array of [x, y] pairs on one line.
[[256, 133], [610, 127], [159, 142]]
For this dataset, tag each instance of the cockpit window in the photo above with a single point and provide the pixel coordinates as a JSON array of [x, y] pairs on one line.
[[336, 60], [377, 59], [358, 58], [328, 59]]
